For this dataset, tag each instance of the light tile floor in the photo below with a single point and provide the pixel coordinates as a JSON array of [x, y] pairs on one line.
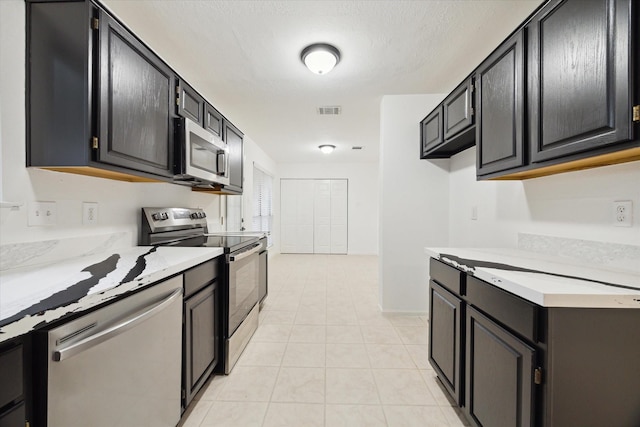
[[324, 355]]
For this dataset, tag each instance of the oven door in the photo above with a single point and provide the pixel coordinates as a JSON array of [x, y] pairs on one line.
[[244, 267], [206, 155]]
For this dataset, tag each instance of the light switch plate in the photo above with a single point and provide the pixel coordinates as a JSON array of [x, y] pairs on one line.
[[41, 213]]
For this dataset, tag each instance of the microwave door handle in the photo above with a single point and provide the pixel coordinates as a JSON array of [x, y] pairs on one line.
[[222, 162]]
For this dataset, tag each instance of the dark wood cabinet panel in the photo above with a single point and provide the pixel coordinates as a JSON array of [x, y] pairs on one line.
[[458, 109], [14, 417], [190, 104], [500, 108], [499, 375], [201, 331], [431, 132], [136, 91], [579, 77], [212, 120], [234, 139], [100, 102], [445, 335]]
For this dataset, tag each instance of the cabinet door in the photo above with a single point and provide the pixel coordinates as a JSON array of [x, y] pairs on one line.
[[136, 92], [190, 103], [579, 77], [499, 375], [233, 138], [445, 338], [500, 108], [458, 109], [431, 134], [212, 120], [201, 335]]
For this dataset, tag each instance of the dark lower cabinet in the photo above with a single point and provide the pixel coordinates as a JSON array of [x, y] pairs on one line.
[[12, 387], [508, 362], [499, 375], [201, 327], [500, 108], [445, 335], [580, 77]]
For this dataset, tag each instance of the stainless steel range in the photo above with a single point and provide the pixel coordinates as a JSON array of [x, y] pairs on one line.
[[242, 279]]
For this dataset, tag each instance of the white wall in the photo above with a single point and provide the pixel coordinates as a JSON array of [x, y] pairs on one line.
[[363, 198], [574, 205], [414, 203]]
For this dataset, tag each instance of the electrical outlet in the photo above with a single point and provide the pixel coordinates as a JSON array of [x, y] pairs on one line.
[[89, 213], [622, 213], [41, 213]]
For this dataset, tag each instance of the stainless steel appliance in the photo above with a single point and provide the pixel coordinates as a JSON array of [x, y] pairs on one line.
[[239, 290], [201, 157], [119, 365]]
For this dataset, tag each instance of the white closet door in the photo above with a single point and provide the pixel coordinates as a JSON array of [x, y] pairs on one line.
[[288, 215], [322, 217], [339, 216], [304, 237]]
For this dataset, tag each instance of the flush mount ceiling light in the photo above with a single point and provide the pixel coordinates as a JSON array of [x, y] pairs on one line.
[[320, 57], [327, 148]]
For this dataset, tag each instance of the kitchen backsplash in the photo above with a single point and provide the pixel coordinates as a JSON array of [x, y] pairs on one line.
[[16, 255], [607, 255]]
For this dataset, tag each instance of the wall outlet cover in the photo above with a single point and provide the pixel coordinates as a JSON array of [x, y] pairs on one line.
[[622, 213], [89, 213]]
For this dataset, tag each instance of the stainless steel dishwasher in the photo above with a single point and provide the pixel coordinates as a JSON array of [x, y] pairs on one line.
[[119, 365]]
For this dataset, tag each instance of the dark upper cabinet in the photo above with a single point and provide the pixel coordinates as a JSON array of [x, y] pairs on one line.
[[190, 104], [448, 129], [458, 109], [580, 77], [135, 99], [99, 102], [234, 139], [431, 135], [500, 105], [212, 120], [445, 335], [499, 375]]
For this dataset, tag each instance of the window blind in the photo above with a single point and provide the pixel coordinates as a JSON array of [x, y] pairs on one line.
[[262, 202]]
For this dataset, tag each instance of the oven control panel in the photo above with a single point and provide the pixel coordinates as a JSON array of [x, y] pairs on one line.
[[164, 219]]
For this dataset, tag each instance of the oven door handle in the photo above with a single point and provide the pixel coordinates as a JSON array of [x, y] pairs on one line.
[[245, 254]]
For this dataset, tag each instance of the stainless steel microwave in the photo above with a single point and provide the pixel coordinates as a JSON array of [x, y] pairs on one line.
[[202, 158]]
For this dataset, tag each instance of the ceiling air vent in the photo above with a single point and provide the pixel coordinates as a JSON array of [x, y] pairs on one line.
[[357, 147], [330, 110]]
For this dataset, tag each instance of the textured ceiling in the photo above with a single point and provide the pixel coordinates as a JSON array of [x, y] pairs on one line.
[[244, 56]]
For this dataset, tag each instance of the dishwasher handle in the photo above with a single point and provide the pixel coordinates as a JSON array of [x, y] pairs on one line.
[[102, 336]]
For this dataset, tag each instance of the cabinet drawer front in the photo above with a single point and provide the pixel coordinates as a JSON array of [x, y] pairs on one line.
[[517, 314], [10, 375], [197, 277], [447, 276]]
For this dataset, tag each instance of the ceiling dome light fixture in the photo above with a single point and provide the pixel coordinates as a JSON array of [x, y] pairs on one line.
[[320, 58], [327, 148]]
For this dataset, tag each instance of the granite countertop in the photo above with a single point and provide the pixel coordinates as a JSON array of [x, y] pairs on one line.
[[549, 281], [31, 297]]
